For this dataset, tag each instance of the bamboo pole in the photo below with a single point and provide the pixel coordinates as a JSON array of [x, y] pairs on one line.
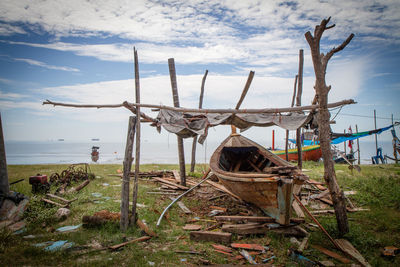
[[358, 146], [205, 111], [4, 185], [193, 161], [124, 221], [175, 96], [137, 151], [298, 103], [287, 131]]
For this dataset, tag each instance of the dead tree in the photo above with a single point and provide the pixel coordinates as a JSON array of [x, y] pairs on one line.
[[320, 62]]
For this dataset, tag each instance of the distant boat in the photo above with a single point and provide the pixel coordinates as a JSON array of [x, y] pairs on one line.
[[61, 139], [95, 139]]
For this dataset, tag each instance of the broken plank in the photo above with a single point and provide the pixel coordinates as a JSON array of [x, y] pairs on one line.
[[192, 227], [54, 203], [140, 239], [61, 199], [245, 229], [303, 243], [297, 209], [248, 246], [222, 188], [331, 254], [145, 228], [350, 250], [245, 218], [222, 248], [219, 237], [170, 183], [176, 176]]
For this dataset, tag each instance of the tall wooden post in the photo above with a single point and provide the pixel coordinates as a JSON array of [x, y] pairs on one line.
[[4, 185], [298, 103], [193, 162], [172, 75], [137, 151], [124, 221], [320, 63], [287, 131], [345, 152], [376, 138], [358, 147]]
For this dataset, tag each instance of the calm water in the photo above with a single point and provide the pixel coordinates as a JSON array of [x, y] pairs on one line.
[[67, 152]]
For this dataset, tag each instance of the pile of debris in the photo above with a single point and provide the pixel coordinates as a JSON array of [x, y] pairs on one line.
[[12, 208]]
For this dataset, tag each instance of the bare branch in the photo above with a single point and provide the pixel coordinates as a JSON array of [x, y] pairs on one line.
[[334, 50]]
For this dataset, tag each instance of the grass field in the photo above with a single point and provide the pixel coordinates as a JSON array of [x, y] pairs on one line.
[[378, 188]]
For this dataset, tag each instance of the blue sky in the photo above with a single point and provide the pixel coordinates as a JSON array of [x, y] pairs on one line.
[[81, 52]]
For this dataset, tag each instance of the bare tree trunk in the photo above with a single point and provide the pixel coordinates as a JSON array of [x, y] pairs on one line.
[[320, 62]]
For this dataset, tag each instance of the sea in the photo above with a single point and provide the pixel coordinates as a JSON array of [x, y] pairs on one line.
[[63, 152]]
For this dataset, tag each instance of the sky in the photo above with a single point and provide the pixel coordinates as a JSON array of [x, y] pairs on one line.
[[82, 52]]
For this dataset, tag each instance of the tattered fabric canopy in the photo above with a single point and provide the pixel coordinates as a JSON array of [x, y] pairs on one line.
[[187, 124]]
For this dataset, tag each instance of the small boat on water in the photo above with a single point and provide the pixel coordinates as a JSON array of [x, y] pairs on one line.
[[312, 152], [257, 176]]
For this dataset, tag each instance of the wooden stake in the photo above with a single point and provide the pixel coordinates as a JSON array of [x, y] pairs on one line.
[[174, 86], [376, 138], [298, 103], [137, 151], [193, 162], [4, 185], [124, 221], [358, 147], [287, 131]]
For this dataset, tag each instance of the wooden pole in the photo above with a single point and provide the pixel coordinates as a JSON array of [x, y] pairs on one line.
[[172, 75], [320, 63], [376, 138], [4, 185], [345, 153], [203, 111], [358, 147], [193, 162], [273, 139], [124, 221], [137, 151], [298, 103], [287, 131]]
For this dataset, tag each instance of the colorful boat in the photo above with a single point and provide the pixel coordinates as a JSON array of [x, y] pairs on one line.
[[256, 175], [312, 152]]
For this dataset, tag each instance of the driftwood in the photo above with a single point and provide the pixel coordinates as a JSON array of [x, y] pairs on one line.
[[320, 62]]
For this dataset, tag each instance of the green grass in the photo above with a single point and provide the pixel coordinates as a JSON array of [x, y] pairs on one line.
[[378, 188]]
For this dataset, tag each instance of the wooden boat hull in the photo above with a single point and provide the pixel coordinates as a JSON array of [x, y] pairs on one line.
[[309, 153], [272, 192]]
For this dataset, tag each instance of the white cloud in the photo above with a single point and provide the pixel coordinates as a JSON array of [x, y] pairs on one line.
[[10, 95], [45, 65]]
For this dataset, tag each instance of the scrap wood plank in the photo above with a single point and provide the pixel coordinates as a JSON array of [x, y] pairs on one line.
[[54, 203], [245, 229], [297, 209], [140, 239], [222, 248], [261, 219], [145, 228], [350, 250], [170, 183], [219, 237], [218, 208], [257, 247], [182, 205], [176, 176], [192, 227], [222, 188], [331, 254]]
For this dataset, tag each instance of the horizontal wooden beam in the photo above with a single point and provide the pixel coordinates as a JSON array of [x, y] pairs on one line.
[[204, 111]]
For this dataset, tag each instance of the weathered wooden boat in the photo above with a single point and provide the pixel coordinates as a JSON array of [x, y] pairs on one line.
[[312, 152], [256, 175]]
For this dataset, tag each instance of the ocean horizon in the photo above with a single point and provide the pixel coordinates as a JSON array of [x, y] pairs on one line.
[[65, 152]]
